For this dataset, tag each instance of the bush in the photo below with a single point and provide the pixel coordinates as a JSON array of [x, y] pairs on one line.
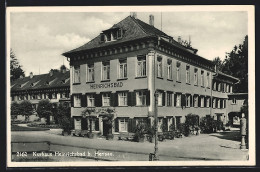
[[44, 110], [25, 108], [191, 123], [140, 131], [209, 125]]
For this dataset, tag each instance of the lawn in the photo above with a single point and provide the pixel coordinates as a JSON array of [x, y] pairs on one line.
[[19, 128]]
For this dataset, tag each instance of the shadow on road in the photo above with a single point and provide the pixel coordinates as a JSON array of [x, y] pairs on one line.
[[228, 135]]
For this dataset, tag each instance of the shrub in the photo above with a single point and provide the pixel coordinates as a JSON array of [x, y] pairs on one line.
[[26, 109], [15, 110], [140, 131], [44, 110], [192, 123]]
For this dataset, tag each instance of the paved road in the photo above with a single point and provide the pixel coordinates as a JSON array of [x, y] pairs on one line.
[[217, 146]]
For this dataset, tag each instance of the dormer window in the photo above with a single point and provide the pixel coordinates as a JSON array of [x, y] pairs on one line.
[[102, 37], [111, 35], [119, 33]]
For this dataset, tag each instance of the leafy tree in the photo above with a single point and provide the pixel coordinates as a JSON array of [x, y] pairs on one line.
[[15, 68], [26, 109], [218, 62], [44, 110], [15, 110], [64, 117], [236, 64]]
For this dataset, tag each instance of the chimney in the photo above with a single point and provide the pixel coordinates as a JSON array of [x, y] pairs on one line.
[[31, 75], [179, 39], [151, 20], [133, 14], [51, 72]]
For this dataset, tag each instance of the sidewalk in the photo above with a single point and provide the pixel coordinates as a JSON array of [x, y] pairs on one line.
[[203, 147]]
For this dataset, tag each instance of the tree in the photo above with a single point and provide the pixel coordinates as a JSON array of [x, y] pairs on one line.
[[236, 64], [15, 110], [15, 68], [44, 110], [26, 109], [218, 62], [64, 117]]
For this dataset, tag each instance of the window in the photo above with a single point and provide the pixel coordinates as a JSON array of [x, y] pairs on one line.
[[214, 103], [119, 33], [106, 99], [178, 122], [122, 68], [207, 101], [201, 101], [196, 100], [214, 85], [122, 99], [123, 124], [207, 80], [25, 97], [231, 89], [105, 70], [234, 101], [178, 100], [227, 88], [39, 96], [169, 98], [141, 66], [218, 103], [169, 69], [33, 97], [76, 75], [178, 72], [108, 36], [77, 100], [195, 76], [219, 86], [188, 97], [159, 67], [224, 87], [140, 98], [90, 73], [188, 74], [160, 98], [90, 100], [54, 95], [12, 97], [202, 78]]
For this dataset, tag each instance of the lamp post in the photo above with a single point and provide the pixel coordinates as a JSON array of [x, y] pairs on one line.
[[156, 156]]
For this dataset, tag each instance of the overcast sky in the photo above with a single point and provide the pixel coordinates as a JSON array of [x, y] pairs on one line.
[[39, 39]]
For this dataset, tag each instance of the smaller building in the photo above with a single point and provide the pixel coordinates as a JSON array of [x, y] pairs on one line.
[[235, 102], [54, 86]]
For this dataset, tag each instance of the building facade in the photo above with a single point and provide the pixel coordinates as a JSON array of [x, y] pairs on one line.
[[54, 86], [126, 65]]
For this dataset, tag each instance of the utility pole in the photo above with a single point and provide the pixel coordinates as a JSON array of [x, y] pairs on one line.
[[156, 156]]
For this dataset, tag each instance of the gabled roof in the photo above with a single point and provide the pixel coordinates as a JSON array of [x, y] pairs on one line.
[[134, 29], [40, 81]]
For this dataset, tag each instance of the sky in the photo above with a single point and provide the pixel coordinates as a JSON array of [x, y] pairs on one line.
[[39, 38]]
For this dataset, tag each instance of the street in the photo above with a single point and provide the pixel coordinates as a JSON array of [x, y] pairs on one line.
[[216, 146]]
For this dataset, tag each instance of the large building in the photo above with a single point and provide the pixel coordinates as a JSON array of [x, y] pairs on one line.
[[126, 64], [54, 86]]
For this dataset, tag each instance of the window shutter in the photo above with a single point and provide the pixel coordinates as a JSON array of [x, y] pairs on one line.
[[86, 100], [191, 103], [83, 101], [116, 99], [112, 99], [199, 101], [116, 125], [131, 125], [97, 124], [148, 98], [163, 99], [183, 100], [72, 100], [205, 101], [149, 122], [175, 99], [129, 99], [210, 102], [133, 98], [98, 100], [165, 122]]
